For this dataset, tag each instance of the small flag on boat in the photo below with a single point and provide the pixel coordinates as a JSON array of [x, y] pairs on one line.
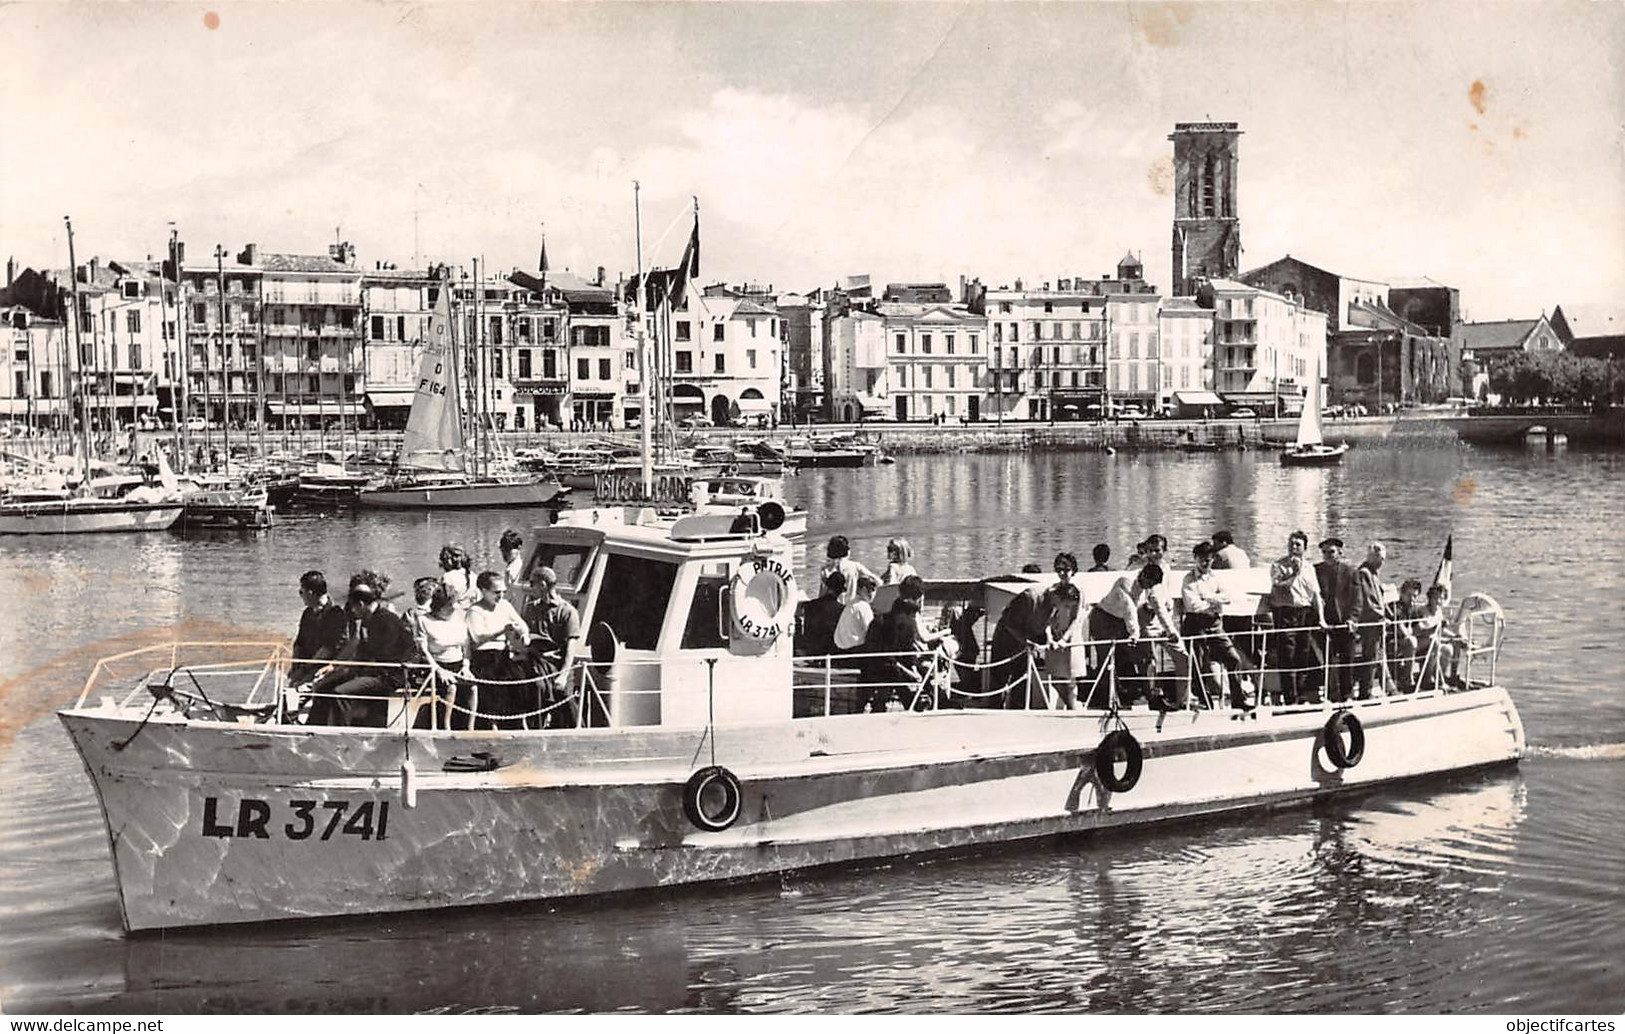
[[1442, 576]]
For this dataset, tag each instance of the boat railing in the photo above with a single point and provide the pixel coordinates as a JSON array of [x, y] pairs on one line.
[[1278, 666]]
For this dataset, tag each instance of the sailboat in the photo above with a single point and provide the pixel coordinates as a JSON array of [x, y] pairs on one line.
[[1310, 448], [432, 469], [107, 505]]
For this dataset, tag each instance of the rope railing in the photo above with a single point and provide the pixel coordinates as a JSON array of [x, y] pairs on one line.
[[425, 691]]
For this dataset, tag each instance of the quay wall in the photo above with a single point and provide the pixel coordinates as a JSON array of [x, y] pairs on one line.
[[1397, 430]]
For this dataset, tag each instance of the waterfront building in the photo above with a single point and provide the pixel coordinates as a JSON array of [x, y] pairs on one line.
[[857, 382], [1207, 227], [1184, 349], [125, 342], [36, 381], [540, 368], [1050, 346], [938, 364], [1266, 346], [396, 305], [600, 351], [801, 335], [273, 336], [1134, 373], [726, 356]]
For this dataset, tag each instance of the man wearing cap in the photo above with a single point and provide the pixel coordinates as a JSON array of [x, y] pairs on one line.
[[1203, 603], [381, 646], [1369, 613], [1340, 598]]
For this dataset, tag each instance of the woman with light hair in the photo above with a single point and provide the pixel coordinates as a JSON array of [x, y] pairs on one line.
[[899, 562]]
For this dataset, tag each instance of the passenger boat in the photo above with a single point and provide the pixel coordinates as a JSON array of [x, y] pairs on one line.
[[1309, 449], [838, 451], [689, 744]]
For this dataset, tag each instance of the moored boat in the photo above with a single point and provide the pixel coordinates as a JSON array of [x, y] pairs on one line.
[[690, 744], [1309, 449]]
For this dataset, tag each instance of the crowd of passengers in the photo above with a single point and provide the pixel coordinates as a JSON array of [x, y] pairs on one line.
[[496, 646], [1330, 627]]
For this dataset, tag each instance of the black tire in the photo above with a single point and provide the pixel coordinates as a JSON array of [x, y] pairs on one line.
[[1119, 743], [704, 807], [1332, 735]]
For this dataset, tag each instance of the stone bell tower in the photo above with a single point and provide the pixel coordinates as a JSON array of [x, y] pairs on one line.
[[1207, 230]]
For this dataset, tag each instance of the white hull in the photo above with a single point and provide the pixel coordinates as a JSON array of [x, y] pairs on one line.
[[455, 496], [74, 517], [212, 822]]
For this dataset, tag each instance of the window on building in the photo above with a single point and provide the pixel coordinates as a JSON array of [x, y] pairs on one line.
[[1208, 187], [550, 364], [1134, 377], [750, 358], [1038, 331], [524, 364], [998, 333], [583, 369], [751, 323], [550, 329], [22, 384], [1056, 355], [975, 344], [1038, 379], [132, 321], [604, 370], [1074, 378], [496, 330], [925, 344], [901, 341], [135, 355], [496, 364], [200, 312], [952, 370], [948, 343], [685, 362], [1015, 332], [719, 331], [685, 330], [1004, 306], [721, 363], [375, 328]]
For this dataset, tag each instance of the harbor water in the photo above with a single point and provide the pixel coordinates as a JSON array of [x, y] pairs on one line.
[[1486, 892]]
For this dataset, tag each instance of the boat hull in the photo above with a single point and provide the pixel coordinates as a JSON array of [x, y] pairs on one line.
[[77, 517], [1317, 456], [210, 822], [473, 496]]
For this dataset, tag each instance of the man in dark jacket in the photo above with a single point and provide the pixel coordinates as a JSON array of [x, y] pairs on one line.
[[382, 644], [1340, 598], [1370, 612]]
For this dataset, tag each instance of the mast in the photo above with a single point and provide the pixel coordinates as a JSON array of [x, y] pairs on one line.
[[84, 422], [262, 371], [176, 421], [343, 350], [225, 362], [645, 435]]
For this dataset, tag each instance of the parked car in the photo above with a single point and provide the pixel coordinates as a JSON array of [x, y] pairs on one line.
[[1244, 413], [196, 423], [691, 422], [1131, 413]]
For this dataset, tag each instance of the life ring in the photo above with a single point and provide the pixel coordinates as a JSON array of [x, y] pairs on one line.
[[1332, 736], [712, 799], [764, 601], [1119, 742], [731, 469]]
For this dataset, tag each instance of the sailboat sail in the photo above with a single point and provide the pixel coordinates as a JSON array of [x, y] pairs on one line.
[[434, 430], [1309, 432]]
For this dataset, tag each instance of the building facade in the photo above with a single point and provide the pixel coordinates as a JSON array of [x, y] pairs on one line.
[[1267, 348], [938, 364]]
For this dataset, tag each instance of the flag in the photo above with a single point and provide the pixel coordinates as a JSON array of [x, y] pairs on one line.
[[660, 285], [1442, 576]]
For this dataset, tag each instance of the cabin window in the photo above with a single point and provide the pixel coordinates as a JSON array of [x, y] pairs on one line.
[[569, 561], [704, 629], [632, 600]]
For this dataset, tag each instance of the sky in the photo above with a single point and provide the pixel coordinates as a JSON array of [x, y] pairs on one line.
[[1477, 145]]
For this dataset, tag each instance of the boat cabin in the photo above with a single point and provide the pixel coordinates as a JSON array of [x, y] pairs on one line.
[[684, 622]]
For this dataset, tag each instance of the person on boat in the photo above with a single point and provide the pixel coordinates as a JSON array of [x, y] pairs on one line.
[[555, 634], [1227, 556], [380, 648], [1060, 608], [1151, 551], [1295, 608], [1369, 614], [511, 546], [442, 637], [899, 635], [1201, 621], [1340, 601], [1102, 554], [1121, 619], [839, 558], [899, 562], [1405, 616], [457, 569], [820, 616], [494, 628], [856, 617], [422, 597], [965, 653], [322, 629], [1020, 630], [1437, 643]]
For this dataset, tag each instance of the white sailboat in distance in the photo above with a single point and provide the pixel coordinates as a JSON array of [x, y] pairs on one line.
[[1310, 448]]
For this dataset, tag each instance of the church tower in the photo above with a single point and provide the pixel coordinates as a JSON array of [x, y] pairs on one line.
[[1207, 230]]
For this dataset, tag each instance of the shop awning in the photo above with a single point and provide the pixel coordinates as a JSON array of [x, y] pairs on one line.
[[872, 403], [325, 409], [390, 399], [749, 406], [1197, 398]]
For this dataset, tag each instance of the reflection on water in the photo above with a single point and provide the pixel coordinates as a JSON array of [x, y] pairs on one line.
[[1487, 892]]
